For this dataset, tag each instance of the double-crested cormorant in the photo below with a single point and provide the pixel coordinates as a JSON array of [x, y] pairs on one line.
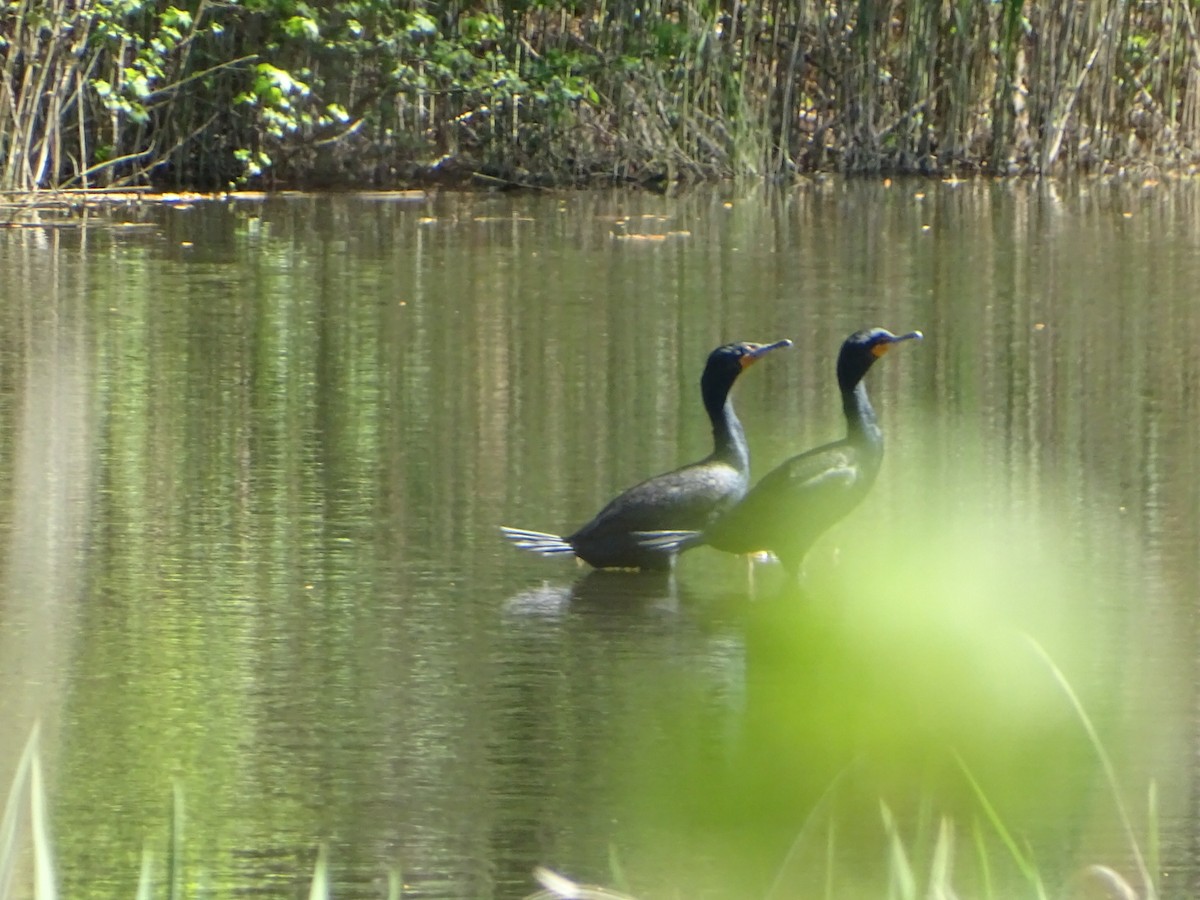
[[686, 498], [801, 499]]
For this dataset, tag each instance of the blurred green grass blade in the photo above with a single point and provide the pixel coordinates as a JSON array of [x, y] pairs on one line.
[[902, 883], [553, 884], [1153, 852], [8, 825], [43, 856], [559, 887], [320, 879], [145, 886], [830, 858], [616, 870], [175, 849], [395, 883], [985, 862], [823, 804], [942, 867], [1115, 886], [1110, 772], [1028, 869]]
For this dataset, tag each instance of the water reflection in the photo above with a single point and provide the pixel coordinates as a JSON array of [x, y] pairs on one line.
[[256, 457], [600, 592], [50, 476]]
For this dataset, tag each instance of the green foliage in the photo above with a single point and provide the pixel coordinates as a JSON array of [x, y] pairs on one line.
[[686, 90], [276, 97], [1138, 49]]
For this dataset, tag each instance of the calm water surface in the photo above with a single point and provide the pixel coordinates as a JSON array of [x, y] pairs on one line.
[[255, 454]]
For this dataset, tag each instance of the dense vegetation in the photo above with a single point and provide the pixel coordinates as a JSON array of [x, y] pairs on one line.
[[207, 94]]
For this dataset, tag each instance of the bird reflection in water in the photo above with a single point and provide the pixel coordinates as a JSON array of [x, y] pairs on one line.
[[599, 590]]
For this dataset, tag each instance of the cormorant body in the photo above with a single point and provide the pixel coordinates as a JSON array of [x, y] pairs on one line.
[[801, 499], [685, 498]]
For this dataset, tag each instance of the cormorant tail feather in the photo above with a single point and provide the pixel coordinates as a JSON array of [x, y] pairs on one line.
[[537, 541], [667, 541]]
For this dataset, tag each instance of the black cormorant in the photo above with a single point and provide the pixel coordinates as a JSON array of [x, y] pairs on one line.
[[801, 499], [686, 498]]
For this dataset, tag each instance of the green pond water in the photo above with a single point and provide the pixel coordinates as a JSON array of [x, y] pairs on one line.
[[255, 454]]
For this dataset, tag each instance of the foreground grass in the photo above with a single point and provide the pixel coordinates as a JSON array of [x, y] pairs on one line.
[[922, 861], [920, 864]]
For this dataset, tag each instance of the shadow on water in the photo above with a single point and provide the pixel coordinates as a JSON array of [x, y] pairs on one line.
[[600, 593]]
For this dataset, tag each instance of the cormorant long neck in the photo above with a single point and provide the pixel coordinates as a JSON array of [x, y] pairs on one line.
[[729, 440], [862, 428]]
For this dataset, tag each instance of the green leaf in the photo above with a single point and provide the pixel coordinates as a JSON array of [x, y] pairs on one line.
[[274, 84], [136, 83], [302, 27], [421, 24], [179, 19], [480, 28]]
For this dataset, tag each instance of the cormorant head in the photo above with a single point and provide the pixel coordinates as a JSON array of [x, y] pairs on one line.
[[862, 348], [727, 362]]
